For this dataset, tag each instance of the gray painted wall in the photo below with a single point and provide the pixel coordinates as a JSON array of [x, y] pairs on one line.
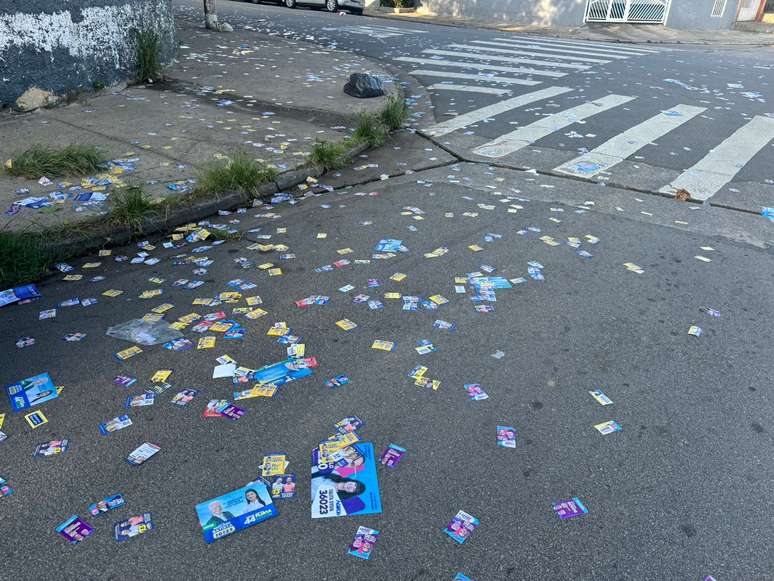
[[683, 14], [688, 14], [61, 45]]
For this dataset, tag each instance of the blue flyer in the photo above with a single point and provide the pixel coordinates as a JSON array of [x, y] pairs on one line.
[[234, 511], [30, 392], [352, 489]]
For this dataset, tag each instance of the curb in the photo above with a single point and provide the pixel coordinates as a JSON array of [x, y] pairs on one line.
[[549, 33]]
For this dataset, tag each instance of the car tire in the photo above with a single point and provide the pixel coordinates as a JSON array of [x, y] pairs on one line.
[[331, 5], [357, 11], [289, 3]]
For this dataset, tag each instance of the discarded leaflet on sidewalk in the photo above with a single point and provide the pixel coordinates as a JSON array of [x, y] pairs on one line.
[[351, 489], [363, 543], [132, 527], [31, 392]]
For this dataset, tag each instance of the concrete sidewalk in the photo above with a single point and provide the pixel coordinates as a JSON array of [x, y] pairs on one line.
[[625, 33], [271, 97]]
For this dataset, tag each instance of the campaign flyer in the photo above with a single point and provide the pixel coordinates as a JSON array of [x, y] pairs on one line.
[[569, 508], [142, 453], [609, 427], [392, 455], [5, 490], [506, 436], [135, 401], [475, 393], [461, 526], [51, 448], [349, 424], [106, 504], [232, 412], [184, 397], [461, 577], [363, 543], [234, 511], [600, 397], [133, 526], [74, 529], [118, 423], [32, 391], [283, 487], [345, 490], [213, 408]]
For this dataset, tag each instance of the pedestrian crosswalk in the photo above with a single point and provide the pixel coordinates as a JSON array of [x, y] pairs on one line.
[[376, 31], [497, 68]]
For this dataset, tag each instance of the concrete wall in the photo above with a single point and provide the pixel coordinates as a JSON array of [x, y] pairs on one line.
[[687, 14], [540, 12], [684, 14], [61, 45]]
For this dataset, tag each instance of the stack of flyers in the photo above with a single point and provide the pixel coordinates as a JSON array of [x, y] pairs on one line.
[[349, 424], [506, 436], [184, 397], [337, 381], [363, 543], [51, 448], [5, 490], [600, 396], [283, 486], [133, 526], [74, 529], [608, 427], [107, 504], [461, 526], [142, 453], [392, 455], [274, 464], [569, 508], [475, 392], [141, 400], [125, 380], [117, 423]]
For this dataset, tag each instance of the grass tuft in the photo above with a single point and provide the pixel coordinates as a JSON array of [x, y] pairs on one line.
[[394, 114], [130, 206], [53, 162], [147, 55], [327, 156], [240, 173], [23, 258], [370, 130]]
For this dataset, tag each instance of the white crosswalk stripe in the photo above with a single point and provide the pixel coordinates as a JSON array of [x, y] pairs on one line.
[[516, 50], [472, 117], [480, 67], [617, 149], [505, 59], [469, 89], [524, 136], [582, 45], [546, 50], [377, 31], [470, 77], [720, 165]]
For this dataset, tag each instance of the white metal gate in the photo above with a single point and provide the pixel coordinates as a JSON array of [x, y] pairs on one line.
[[634, 11]]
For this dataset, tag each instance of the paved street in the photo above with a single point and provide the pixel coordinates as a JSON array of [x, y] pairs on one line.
[[540, 286], [653, 118]]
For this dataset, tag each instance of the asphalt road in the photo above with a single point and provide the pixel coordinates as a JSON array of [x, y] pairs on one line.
[[681, 492], [725, 90]]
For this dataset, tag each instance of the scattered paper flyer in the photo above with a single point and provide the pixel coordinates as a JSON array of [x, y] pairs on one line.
[[461, 526], [234, 511], [506, 436], [30, 392], [142, 453], [74, 529], [608, 427], [132, 527], [363, 543], [392, 455], [569, 508]]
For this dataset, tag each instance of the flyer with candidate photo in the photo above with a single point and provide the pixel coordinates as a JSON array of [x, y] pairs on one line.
[[30, 392], [351, 489], [234, 511]]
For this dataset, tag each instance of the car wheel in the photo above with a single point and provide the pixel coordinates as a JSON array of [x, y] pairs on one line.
[[331, 5], [290, 3]]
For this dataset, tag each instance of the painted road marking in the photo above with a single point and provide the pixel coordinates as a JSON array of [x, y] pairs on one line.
[[468, 89], [505, 59], [479, 67], [529, 53], [720, 165], [592, 46], [469, 77], [524, 136], [472, 117], [620, 147]]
